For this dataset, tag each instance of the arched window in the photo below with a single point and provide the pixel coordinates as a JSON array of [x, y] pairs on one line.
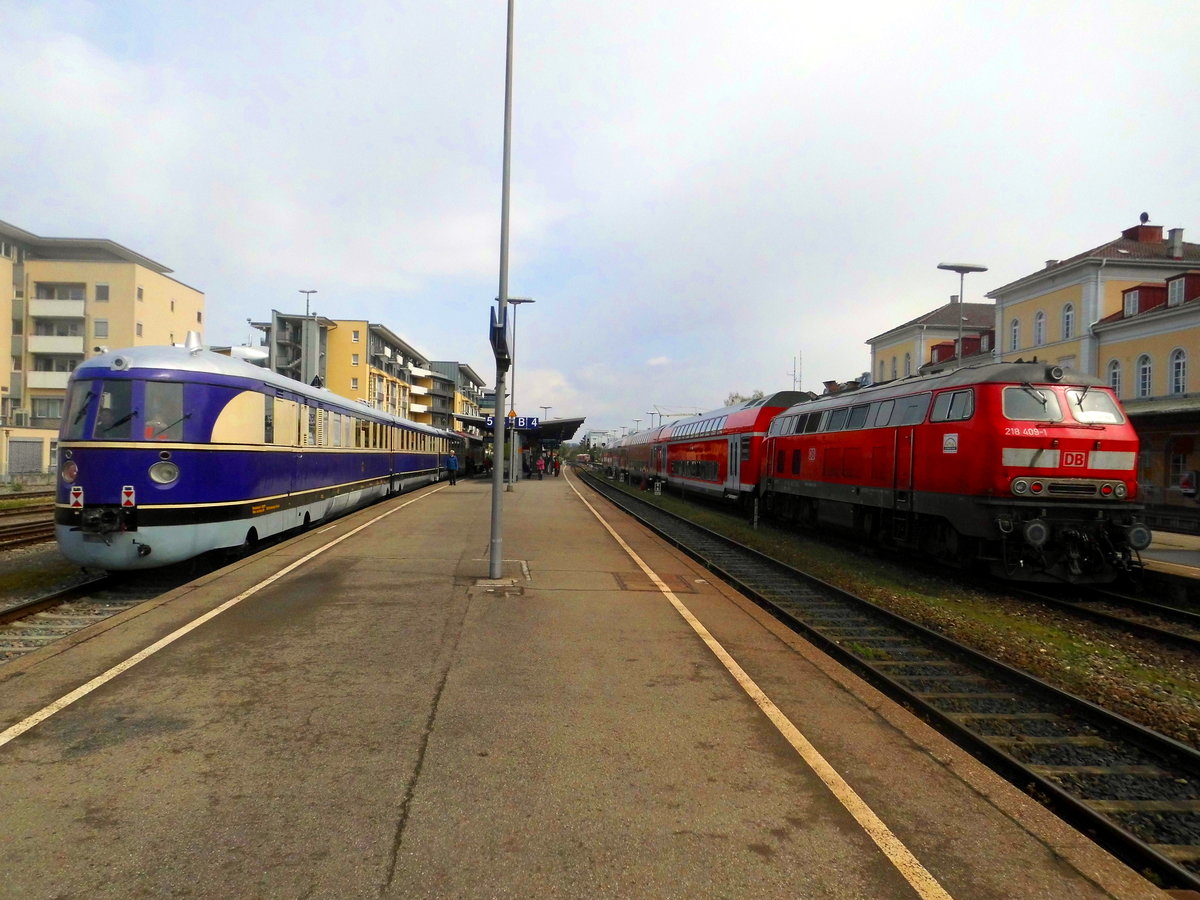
[[1039, 329], [1014, 335], [1114, 376], [1179, 372], [1068, 322], [1145, 374], [893, 368], [907, 364], [881, 370]]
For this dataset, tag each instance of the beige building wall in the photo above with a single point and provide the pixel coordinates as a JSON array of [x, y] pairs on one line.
[[1153, 339], [347, 362]]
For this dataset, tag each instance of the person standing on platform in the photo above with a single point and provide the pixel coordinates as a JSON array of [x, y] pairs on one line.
[[452, 467], [541, 467]]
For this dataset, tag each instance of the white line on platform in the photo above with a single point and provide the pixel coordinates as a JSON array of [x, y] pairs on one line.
[[921, 880], [83, 690]]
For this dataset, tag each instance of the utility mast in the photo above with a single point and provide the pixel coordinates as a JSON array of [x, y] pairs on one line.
[[795, 373]]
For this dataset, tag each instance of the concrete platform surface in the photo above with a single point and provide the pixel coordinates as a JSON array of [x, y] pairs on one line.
[[384, 720]]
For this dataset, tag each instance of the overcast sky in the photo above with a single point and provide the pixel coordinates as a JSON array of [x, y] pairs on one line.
[[702, 192]]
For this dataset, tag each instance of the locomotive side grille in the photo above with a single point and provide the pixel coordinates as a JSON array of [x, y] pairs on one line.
[[1074, 489]]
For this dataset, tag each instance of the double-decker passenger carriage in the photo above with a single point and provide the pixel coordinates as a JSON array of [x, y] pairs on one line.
[[166, 453], [1021, 466], [715, 454]]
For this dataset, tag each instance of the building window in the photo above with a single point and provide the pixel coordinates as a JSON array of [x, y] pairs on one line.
[[907, 364], [1178, 467], [354, 336], [47, 407], [1179, 372], [100, 328], [1131, 303], [102, 293], [893, 368], [172, 305], [354, 384], [199, 317], [1039, 329], [354, 359], [1145, 374], [1175, 292], [140, 296], [1068, 322], [985, 343], [881, 370], [1014, 335], [138, 329], [1114, 376]]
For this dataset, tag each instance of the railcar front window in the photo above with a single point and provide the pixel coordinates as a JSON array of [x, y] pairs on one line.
[[1029, 404], [75, 421], [114, 421], [164, 411], [1093, 407]]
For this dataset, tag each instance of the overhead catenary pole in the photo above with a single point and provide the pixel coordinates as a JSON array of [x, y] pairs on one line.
[[496, 551]]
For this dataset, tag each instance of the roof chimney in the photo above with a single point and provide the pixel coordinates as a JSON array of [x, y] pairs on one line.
[[1175, 236], [954, 298], [1051, 263]]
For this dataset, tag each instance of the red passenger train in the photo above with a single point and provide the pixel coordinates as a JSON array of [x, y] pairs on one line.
[[716, 454], [1020, 467]]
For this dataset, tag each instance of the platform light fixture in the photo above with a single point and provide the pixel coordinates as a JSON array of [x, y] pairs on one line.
[[962, 269]]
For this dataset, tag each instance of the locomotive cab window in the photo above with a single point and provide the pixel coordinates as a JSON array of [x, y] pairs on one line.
[[114, 420], [81, 393], [953, 406], [1029, 404], [1093, 407], [164, 411]]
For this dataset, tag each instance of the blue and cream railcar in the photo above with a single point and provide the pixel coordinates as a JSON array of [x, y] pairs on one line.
[[169, 452]]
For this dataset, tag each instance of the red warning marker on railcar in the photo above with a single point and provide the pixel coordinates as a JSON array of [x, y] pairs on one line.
[[127, 495], [76, 498]]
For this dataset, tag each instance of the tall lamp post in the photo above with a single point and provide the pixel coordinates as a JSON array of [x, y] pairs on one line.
[[637, 425], [962, 269], [512, 471], [496, 548], [307, 297], [545, 411], [651, 413]]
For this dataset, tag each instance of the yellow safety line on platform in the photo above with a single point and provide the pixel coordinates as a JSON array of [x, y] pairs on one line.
[[83, 690], [900, 856]]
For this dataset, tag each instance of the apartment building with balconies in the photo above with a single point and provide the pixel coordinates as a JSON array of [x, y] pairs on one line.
[[61, 301]]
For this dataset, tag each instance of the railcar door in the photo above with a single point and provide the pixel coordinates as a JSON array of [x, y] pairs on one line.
[[733, 470]]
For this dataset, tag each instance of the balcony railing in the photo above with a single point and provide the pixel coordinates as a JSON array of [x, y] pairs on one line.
[[40, 308], [47, 379], [53, 343]]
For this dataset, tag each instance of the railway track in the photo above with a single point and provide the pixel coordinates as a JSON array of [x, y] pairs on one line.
[[1167, 624], [1133, 790], [21, 534]]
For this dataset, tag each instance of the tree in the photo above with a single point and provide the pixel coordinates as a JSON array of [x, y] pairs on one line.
[[740, 398]]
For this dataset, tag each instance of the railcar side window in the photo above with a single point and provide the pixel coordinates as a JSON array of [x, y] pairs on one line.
[[1029, 404], [953, 406], [911, 410], [1093, 407], [858, 416], [813, 423], [268, 419], [114, 421], [75, 420], [837, 419], [884, 414]]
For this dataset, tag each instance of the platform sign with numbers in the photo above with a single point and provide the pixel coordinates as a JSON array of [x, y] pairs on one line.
[[518, 423]]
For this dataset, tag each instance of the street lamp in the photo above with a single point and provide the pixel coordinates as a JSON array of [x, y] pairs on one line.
[[651, 413], [637, 425], [512, 472], [545, 413], [307, 297], [962, 269]]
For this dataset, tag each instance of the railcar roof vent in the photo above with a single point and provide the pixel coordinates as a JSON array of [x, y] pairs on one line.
[[192, 342]]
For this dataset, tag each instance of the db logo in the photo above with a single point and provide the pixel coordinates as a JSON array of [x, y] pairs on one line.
[[1074, 460]]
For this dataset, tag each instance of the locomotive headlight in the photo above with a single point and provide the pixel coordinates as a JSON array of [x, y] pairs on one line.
[[164, 472], [1020, 486], [69, 472], [1121, 490]]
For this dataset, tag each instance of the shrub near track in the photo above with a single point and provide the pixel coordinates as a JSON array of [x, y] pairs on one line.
[[1135, 677]]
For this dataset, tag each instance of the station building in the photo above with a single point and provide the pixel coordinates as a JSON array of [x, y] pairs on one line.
[[61, 301]]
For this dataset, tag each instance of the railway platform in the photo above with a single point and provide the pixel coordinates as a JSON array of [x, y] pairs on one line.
[[362, 712]]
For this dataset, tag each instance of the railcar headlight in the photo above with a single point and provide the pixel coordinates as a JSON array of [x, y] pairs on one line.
[[1020, 486], [164, 472], [70, 471], [1122, 490]]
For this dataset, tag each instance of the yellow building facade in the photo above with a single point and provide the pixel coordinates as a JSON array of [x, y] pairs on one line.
[[63, 300]]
